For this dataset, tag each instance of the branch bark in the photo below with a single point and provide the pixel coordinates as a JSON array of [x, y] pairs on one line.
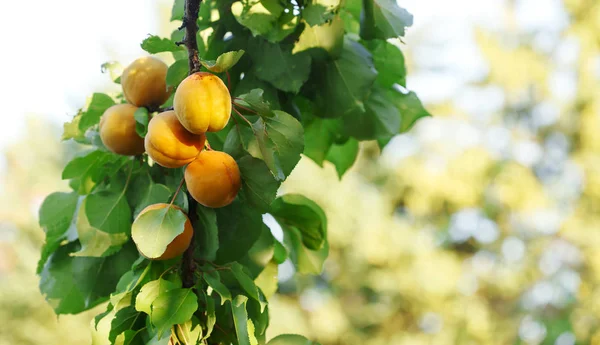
[[190, 24]]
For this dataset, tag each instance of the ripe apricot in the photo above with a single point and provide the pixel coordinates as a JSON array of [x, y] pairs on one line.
[[117, 130], [169, 144], [179, 243], [202, 103], [213, 179], [144, 82]]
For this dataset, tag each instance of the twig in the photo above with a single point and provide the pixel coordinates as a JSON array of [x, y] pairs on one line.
[[245, 108], [243, 117]]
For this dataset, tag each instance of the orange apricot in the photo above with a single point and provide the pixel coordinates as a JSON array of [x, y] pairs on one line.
[[169, 144], [213, 179], [144, 82], [117, 130], [179, 243], [202, 103]]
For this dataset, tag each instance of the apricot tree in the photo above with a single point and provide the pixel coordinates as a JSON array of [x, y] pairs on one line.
[[164, 220]]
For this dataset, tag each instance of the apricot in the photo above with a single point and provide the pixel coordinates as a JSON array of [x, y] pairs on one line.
[[213, 179], [179, 243], [144, 82], [117, 130], [169, 144], [202, 103]]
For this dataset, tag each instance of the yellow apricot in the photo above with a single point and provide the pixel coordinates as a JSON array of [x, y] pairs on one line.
[[213, 179], [117, 130], [202, 103], [169, 144], [144, 82], [179, 243]]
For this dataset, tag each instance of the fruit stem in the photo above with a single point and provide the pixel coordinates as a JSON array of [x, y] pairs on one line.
[[177, 192]]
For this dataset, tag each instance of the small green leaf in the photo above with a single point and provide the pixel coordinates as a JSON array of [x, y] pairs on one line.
[[207, 234], [258, 16], [318, 12], [254, 100], [125, 319], [245, 281], [173, 307], [410, 107], [190, 332], [224, 62], [291, 339], [276, 64], [389, 61], [55, 217], [344, 83], [211, 317], [144, 192], [129, 337], [239, 227], [322, 41], [281, 141], [259, 187], [213, 279], [343, 156], [98, 105], [380, 118], [95, 242], [319, 135], [154, 230], [154, 44], [295, 210], [245, 334], [141, 121], [177, 72], [177, 10], [280, 254], [261, 253], [71, 130], [307, 261], [150, 291], [109, 212], [384, 19]]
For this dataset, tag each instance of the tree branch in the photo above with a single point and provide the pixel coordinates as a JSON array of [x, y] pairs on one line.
[[190, 24]]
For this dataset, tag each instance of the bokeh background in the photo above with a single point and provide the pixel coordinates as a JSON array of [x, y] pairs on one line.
[[480, 226]]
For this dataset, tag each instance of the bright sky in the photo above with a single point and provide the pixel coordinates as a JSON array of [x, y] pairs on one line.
[[52, 50]]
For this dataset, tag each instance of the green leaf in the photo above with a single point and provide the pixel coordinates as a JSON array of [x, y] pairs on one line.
[[224, 62], [343, 156], [261, 253], [92, 168], [173, 307], [389, 62], [95, 242], [125, 319], [276, 64], [71, 130], [381, 118], [319, 135], [254, 100], [280, 254], [150, 291], [213, 279], [259, 187], [154, 44], [177, 72], [267, 280], [258, 16], [190, 332], [344, 84], [74, 284], [245, 281], [245, 334], [318, 12], [211, 317], [130, 337], [206, 234], [250, 82], [295, 210], [307, 261], [281, 141], [384, 19], [177, 11], [322, 41], [283, 27], [109, 212], [55, 217], [239, 227], [154, 230], [291, 339], [141, 121], [154, 193], [410, 107], [98, 105]]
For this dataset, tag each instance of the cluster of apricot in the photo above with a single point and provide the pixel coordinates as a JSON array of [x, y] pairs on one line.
[[176, 138]]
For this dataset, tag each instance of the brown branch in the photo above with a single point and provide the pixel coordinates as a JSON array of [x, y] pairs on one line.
[[190, 24]]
